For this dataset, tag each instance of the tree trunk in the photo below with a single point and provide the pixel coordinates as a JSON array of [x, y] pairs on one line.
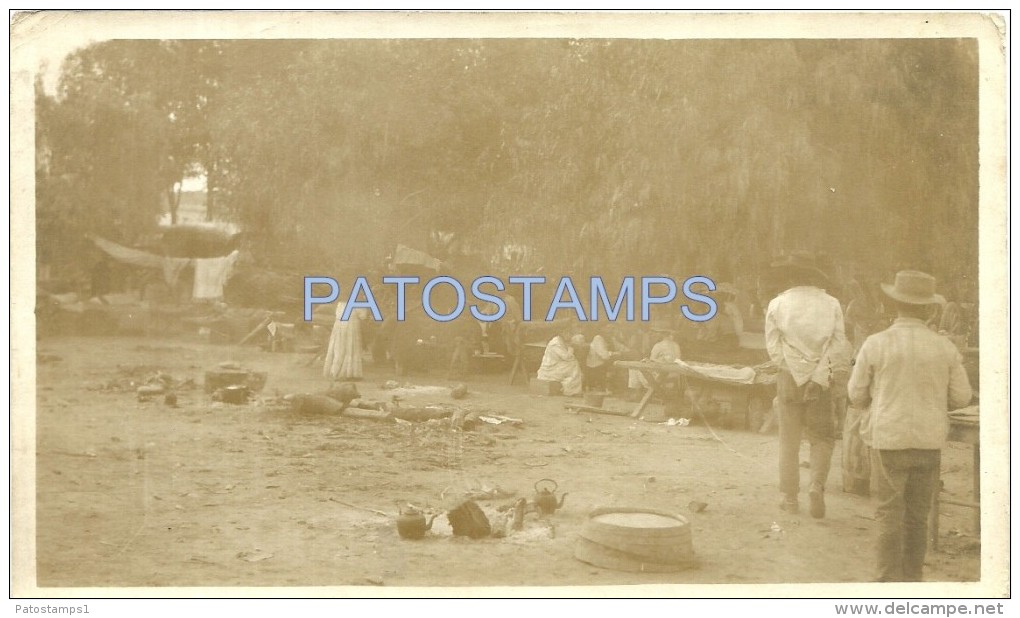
[[210, 175], [175, 200]]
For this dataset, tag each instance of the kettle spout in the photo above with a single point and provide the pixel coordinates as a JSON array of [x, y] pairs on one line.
[[428, 526], [562, 499]]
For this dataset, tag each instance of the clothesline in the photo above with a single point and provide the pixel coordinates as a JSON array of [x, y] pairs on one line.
[[211, 274]]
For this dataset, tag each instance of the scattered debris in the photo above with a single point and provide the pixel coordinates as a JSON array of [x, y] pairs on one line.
[[499, 420], [519, 508], [406, 388], [223, 378], [578, 408], [236, 394], [131, 377], [774, 532], [367, 404], [463, 419], [426, 413], [459, 392], [256, 555], [543, 530], [149, 391], [344, 392], [468, 519], [678, 422], [302, 403], [697, 506]]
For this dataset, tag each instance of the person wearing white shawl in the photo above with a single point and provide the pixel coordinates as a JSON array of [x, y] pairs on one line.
[[560, 365]]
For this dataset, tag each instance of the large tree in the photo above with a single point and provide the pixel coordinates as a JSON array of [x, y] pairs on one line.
[[124, 128]]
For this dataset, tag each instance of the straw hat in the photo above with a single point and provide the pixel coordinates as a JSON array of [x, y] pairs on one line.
[[914, 288]]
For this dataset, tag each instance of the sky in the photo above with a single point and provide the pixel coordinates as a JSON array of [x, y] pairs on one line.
[[48, 56]]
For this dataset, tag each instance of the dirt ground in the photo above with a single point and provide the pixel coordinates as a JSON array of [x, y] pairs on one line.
[[136, 493]]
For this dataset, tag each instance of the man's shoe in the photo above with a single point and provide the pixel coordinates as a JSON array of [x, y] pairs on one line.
[[789, 504], [817, 503]]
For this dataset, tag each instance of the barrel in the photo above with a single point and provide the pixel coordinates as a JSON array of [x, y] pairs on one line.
[[636, 539]]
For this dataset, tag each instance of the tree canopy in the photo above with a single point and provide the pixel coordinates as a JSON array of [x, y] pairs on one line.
[[586, 156]]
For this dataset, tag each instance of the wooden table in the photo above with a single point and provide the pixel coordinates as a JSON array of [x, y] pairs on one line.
[[966, 431], [657, 374]]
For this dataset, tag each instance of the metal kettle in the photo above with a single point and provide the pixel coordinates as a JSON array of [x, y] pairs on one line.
[[545, 497], [412, 524]]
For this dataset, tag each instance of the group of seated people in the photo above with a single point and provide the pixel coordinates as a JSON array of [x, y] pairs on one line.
[[579, 365], [581, 358]]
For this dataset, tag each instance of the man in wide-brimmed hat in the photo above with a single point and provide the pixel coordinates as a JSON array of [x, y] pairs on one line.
[[907, 378], [805, 338]]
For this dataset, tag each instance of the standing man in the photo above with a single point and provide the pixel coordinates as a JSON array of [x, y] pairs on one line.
[[805, 338], [907, 378]]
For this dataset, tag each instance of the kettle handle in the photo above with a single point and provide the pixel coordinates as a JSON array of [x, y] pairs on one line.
[[555, 484]]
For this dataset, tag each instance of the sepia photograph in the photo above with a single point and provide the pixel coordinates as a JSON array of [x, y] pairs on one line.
[[565, 304]]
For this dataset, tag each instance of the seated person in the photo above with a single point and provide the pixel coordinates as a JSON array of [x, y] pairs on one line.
[[731, 322], [667, 350], [580, 347], [597, 364], [489, 330], [560, 365]]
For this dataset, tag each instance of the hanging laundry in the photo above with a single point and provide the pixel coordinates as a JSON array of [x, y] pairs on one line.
[[171, 267], [128, 255], [211, 275]]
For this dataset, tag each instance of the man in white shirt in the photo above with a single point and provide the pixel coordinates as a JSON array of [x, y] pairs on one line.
[[907, 378], [805, 337]]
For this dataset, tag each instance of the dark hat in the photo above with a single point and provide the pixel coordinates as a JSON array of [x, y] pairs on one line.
[[914, 288], [802, 264]]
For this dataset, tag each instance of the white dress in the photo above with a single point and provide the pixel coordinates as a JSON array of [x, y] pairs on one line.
[[343, 356]]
